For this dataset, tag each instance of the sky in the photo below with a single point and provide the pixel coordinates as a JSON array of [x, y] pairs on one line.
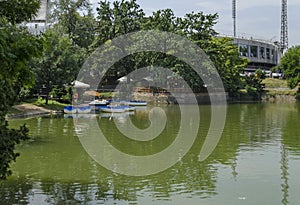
[[259, 19]]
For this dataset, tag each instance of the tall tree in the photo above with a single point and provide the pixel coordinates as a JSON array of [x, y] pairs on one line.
[[290, 64], [225, 56], [198, 27], [18, 11], [60, 61], [117, 19], [75, 18], [120, 18], [17, 47]]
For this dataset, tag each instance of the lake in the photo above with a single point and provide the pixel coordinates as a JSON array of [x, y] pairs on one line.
[[256, 161]]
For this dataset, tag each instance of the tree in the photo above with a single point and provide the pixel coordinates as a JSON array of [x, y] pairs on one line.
[[254, 85], [225, 57], [18, 11], [122, 18], [79, 26], [60, 61], [198, 27], [126, 16], [115, 20], [17, 47], [290, 64]]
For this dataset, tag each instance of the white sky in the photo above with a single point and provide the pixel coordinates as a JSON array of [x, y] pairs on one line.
[[256, 18]]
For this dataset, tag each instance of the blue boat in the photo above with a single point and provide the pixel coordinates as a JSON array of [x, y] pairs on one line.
[[129, 102], [77, 109], [117, 109], [137, 103]]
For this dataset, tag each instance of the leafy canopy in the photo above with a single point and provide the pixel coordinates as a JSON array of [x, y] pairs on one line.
[[17, 47], [290, 64]]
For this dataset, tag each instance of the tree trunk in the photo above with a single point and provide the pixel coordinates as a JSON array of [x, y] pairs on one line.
[[47, 98]]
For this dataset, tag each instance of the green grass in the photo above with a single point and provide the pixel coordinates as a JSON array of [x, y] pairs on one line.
[[107, 94], [12, 111], [282, 92], [275, 83], [52, 104]]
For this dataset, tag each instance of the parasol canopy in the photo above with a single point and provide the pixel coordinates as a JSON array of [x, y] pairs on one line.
[[91, 93], [78, 84], [123, 79]]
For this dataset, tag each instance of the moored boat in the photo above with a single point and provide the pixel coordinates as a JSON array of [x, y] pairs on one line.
[[115, 115], [77, 109], [137, 103], [84, 109], [99, 102], [117, 109], [69, 110], [128, 108]]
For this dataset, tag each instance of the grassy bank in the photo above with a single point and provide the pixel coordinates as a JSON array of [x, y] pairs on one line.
[[40, 103], [52, 104], [278, 87]]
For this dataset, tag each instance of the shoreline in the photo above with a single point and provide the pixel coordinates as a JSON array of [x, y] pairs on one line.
[[30, 110]]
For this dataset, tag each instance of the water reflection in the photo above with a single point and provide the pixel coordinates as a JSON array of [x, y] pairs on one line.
[[55, 169]]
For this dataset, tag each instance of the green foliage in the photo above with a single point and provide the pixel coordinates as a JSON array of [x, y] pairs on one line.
[[163, 20], [79, 27], [275, 83], [17, 47], [198, 27], [60, 62], [254, 85], [126, 16], [226, 59], [52, 104], [290, 64], [18, 11], [24, 93], [260, 74], [121, 18], [298, 94], [9, 138], [293, 82]]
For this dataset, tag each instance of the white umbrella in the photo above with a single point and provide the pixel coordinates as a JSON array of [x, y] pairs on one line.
[[78, 84], [124, 79]]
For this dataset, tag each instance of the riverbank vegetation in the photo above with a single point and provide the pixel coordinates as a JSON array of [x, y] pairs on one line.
[[290, 64], [17, 48]]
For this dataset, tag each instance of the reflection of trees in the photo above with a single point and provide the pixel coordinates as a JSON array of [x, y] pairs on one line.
[[291, 131], [290, 144], [274, 123], [55, 164], [284, 175], [58, 166], [15, 191]]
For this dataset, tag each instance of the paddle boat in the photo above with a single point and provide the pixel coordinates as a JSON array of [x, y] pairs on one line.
[[128, 108], [117, 109], [84, 109], [115, 115], [99, 102], [129, 102], [137, 103], [77, 109]]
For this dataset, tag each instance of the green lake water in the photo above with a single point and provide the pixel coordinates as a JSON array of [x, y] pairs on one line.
[[256, 161]]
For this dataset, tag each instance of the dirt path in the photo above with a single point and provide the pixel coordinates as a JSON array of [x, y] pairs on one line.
[[29, 110]]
